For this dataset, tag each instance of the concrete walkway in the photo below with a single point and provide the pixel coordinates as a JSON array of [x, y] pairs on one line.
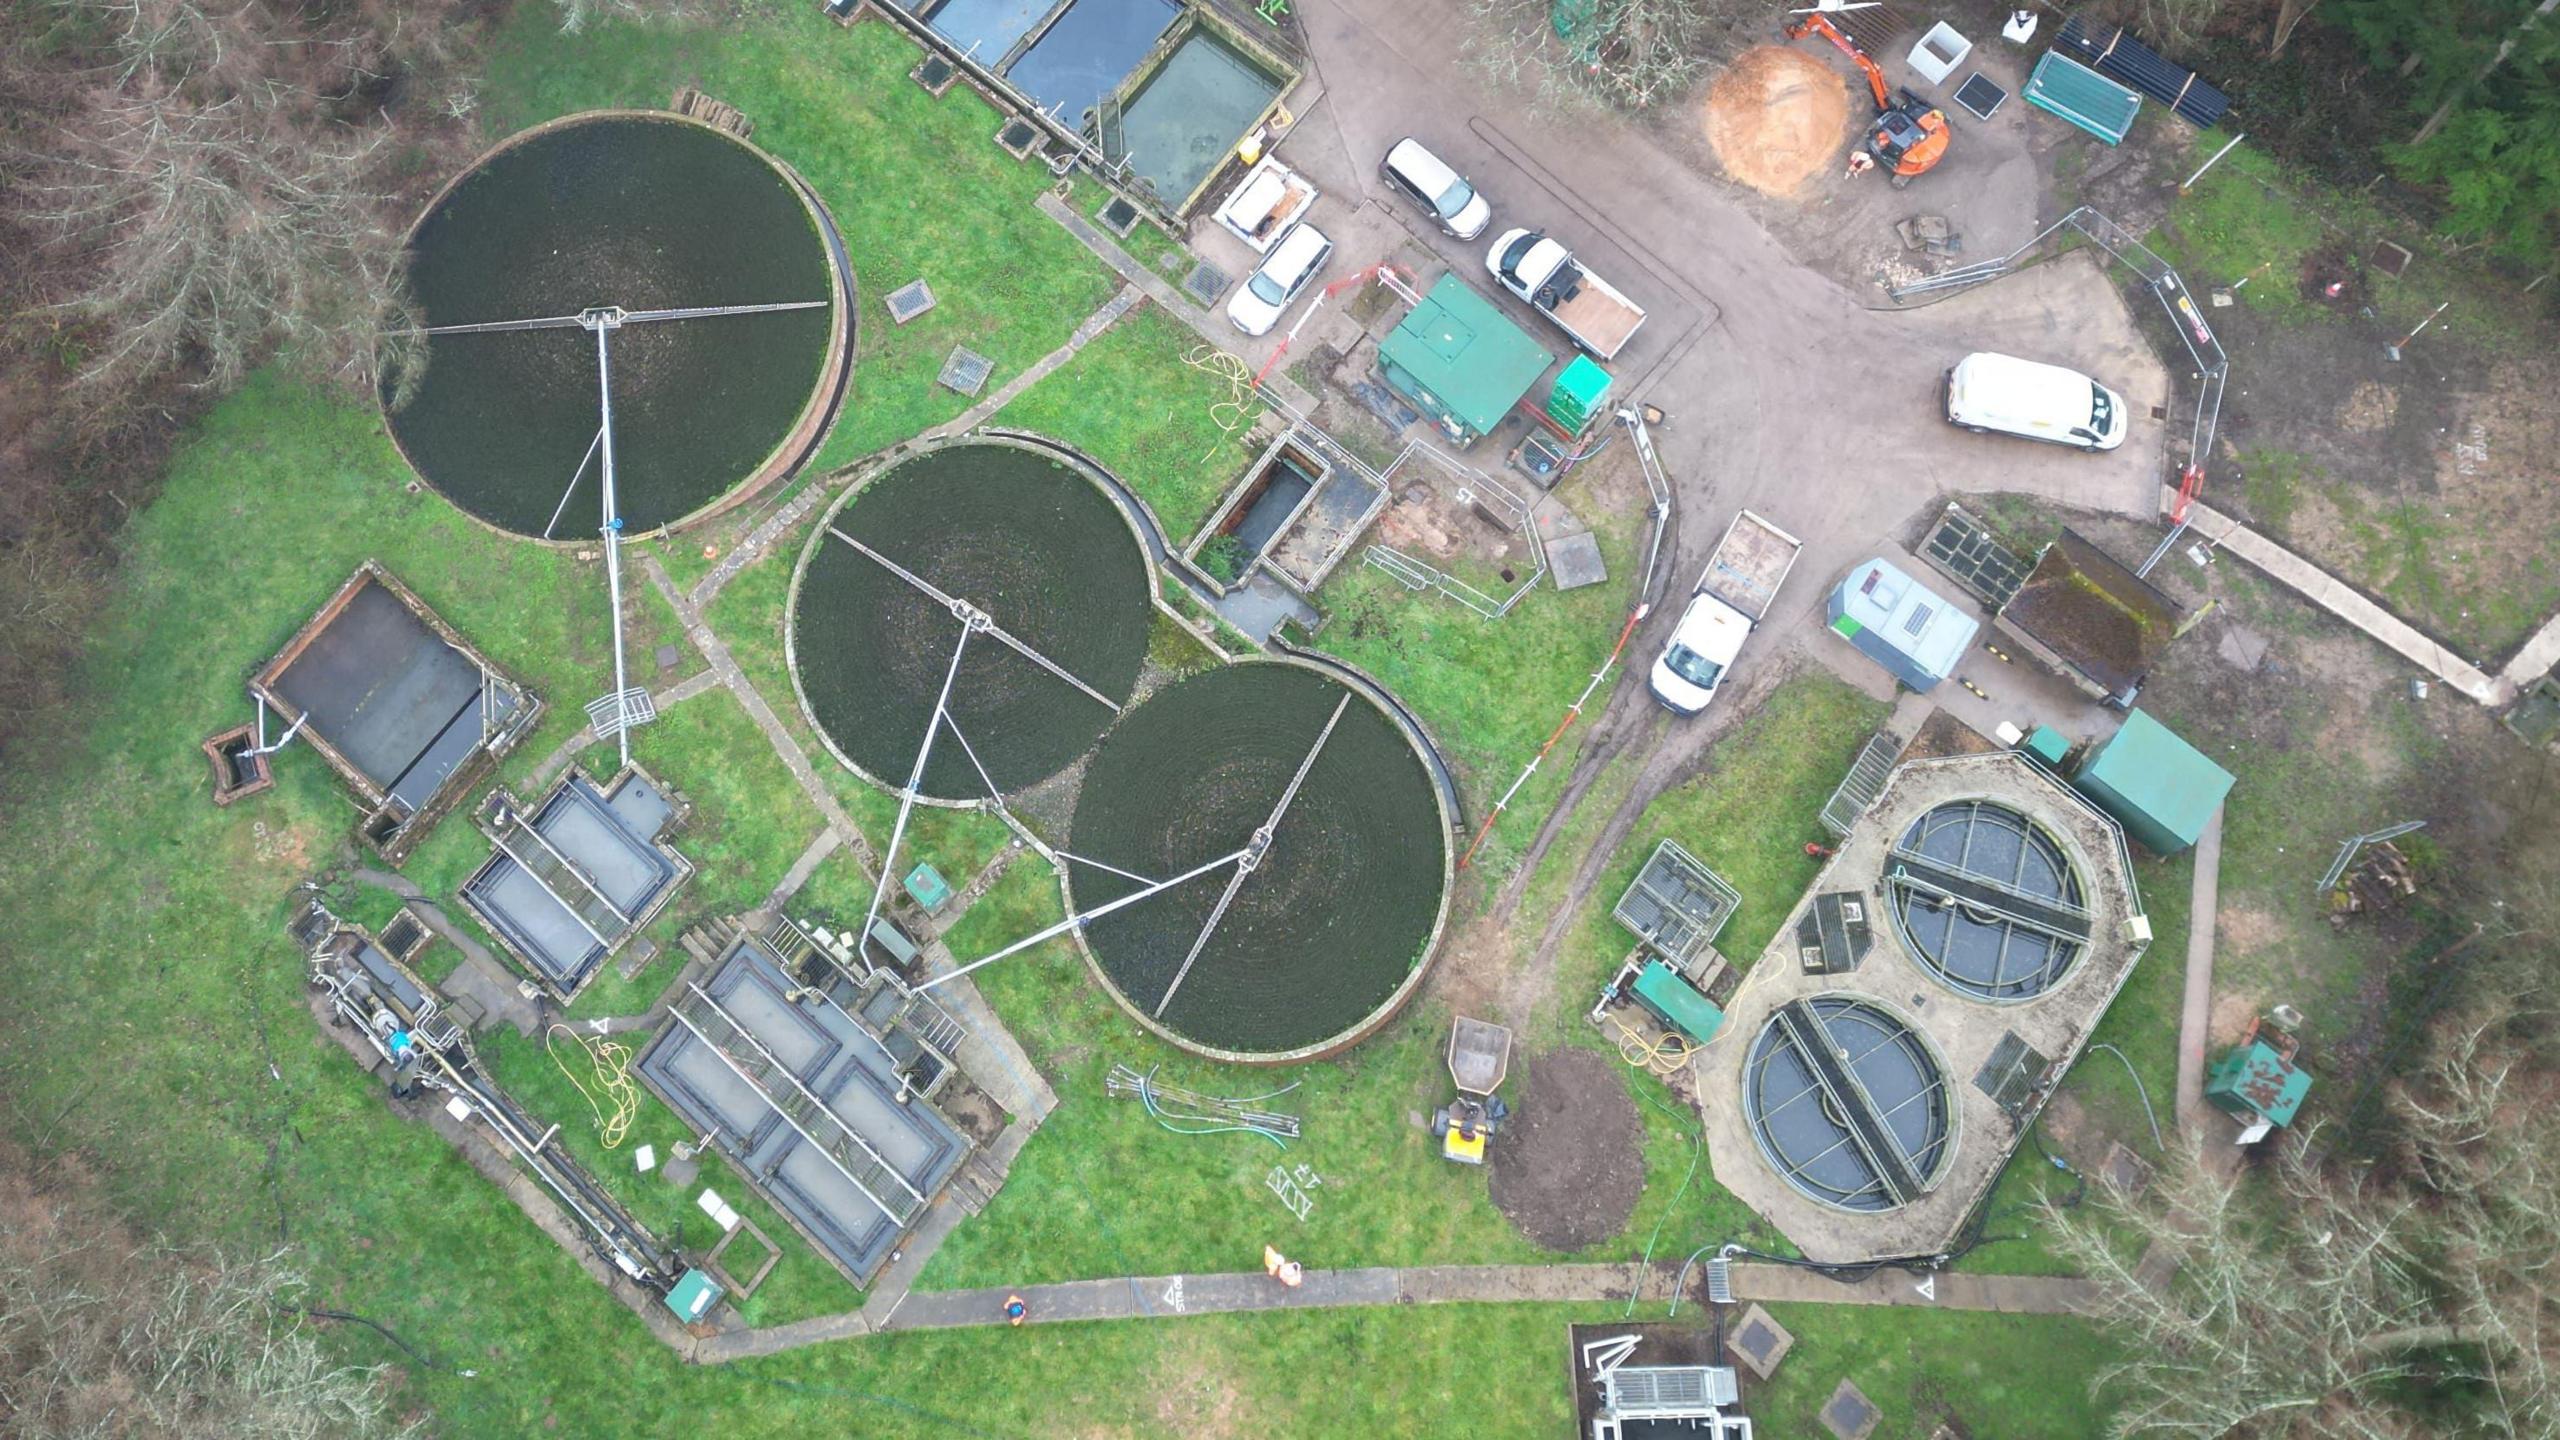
[[2340, 599], [1167, 1296], [2195, 1014]]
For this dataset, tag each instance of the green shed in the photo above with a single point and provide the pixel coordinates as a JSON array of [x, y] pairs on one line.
[[2160, 788], [2257, 1082], [1676, 1003], [1460, 360]]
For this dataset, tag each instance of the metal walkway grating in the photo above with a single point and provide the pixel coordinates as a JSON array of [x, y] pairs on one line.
[[1864, 782]]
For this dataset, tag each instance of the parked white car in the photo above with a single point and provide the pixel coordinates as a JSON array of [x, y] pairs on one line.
[[1276, 283], [1429, 182]]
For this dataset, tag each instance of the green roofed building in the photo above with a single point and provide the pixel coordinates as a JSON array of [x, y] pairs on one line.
[[2160, 788], [1459, 359]]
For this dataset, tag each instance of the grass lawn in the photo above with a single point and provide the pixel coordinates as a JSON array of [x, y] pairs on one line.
[[1748, 817], [1102, 1190], [1173, 432], [916, 184], [1489, 691], [2000, 1377]]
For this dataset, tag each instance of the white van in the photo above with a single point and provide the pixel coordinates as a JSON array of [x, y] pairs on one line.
[[2040, 402]]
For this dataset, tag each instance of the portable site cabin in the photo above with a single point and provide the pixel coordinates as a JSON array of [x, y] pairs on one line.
[[1461, 360], [2160, 788], [1912, 631]]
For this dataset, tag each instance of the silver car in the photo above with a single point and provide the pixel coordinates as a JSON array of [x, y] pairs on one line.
[[1275, 284], [1429, 182]]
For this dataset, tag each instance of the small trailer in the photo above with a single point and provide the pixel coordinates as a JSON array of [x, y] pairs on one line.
[[1268, 205], [1479, 1058]]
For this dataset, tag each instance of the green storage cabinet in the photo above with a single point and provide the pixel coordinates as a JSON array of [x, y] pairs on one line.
[[2256, 1082], [2160, 788]]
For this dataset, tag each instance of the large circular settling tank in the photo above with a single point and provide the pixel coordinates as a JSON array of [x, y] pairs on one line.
[[1012, 532], [1319, 942], [1848, 1103], [642, 213], [1997, 950]]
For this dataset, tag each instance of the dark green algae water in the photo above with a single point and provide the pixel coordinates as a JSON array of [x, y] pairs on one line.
[[628, 211]]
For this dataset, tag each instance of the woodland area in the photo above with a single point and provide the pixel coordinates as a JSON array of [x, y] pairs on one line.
[[193, 188]]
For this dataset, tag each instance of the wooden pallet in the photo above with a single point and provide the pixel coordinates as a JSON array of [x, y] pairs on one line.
[[695, 105]]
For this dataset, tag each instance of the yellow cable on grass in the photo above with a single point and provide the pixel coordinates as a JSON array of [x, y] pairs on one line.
[[1229, 415], [1663, 1056], [609, 1064]]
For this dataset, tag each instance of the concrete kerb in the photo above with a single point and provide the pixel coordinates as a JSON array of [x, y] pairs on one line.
[[1387, 1009], [835, 376]]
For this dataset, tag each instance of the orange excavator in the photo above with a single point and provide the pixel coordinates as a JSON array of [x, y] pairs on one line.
[[1910, 135]]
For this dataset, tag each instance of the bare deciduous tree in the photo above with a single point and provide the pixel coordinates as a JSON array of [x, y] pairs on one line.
[[1628, 54], [2329, 1300]]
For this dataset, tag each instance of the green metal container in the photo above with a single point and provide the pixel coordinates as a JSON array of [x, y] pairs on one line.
[[694, 1296], [1581, 395], [1676, 1003], [2257, 1082]]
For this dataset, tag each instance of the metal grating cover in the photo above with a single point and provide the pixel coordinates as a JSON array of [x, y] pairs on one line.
[[909, 301], [966, 371], [1205, 283]]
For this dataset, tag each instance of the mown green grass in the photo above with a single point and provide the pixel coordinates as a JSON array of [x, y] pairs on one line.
[[1489, 691], [1103, 1190], [1747, 817], [916, 184], [2015, 1377], [1131, 400]]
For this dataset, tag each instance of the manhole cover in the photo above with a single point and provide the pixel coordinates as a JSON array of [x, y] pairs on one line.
[[2389, 258], [1205, 283], [1849, 1414], [1017, 138], [909, 301], [1120, 217], [966, 371], [934, 74]]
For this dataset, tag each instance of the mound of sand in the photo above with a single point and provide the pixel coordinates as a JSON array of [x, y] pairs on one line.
[[1775, 116]]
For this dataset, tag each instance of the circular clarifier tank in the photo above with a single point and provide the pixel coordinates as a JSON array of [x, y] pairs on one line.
[[636, 211], [1327, 934], [1017, 534]]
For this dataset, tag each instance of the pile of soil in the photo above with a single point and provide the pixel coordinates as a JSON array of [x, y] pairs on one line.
[[1775, 116], [1567, 1168]]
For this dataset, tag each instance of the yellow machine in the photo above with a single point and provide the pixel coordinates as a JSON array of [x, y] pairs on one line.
[[1479, 1056]]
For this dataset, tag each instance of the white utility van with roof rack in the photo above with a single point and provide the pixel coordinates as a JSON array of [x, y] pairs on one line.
[[2040, 402]]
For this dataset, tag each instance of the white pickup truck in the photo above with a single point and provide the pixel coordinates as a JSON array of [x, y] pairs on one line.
[[1272, 199], [1588, 309], [1740, 584]]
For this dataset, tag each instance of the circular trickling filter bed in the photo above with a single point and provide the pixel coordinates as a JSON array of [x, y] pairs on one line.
[[1326, 936], [1016, 533], [643, 212]]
